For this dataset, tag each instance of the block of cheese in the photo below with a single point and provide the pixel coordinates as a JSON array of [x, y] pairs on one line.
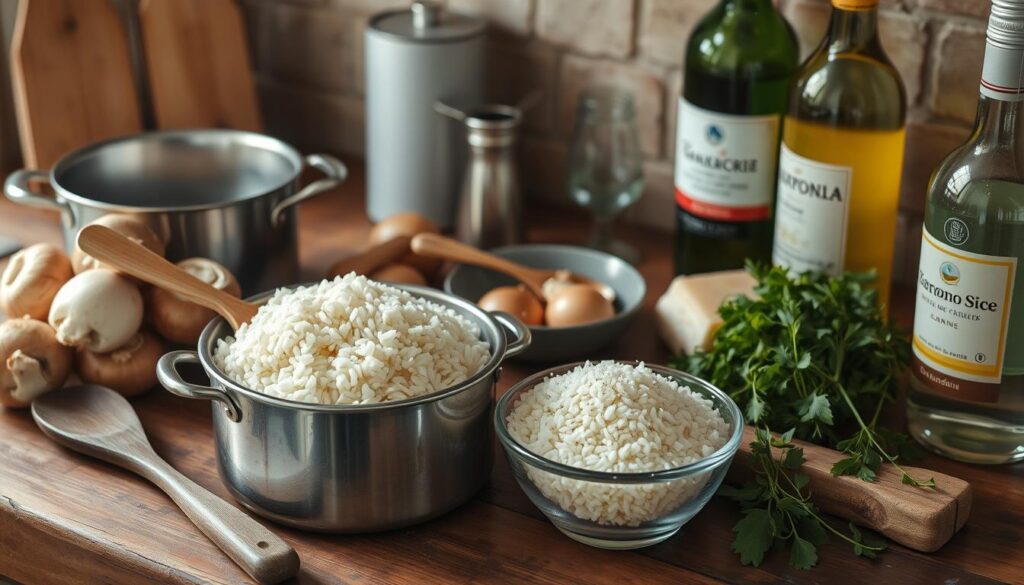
[[687, 313]]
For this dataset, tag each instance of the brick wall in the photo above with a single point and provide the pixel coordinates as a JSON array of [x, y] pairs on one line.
[[309, 60]]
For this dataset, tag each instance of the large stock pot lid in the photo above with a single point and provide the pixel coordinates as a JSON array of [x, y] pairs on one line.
[[176, 170]]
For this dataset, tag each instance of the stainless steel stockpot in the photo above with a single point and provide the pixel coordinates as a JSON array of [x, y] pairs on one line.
[[220, 194], [353, 468]]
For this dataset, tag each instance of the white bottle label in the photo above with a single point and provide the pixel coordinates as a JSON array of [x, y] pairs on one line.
[[811, 214], [725, 164], [961, 318]]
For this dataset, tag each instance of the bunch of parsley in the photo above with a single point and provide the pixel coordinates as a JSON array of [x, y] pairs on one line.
[[776, 509], [813, 354]]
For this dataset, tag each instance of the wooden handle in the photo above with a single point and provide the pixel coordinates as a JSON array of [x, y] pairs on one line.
[[258, 551], [919, 518], [372, 258], [106, 245], [436, 246]]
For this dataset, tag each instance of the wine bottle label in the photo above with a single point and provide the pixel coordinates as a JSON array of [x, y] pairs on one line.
[[1002, 75], [962, 317], [811, 214], [725, 164]]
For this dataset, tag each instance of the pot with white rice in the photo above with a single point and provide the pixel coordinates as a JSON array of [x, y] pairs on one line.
[[352, 406]]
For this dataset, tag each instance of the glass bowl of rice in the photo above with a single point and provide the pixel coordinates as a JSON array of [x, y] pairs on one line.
[[618, 454]]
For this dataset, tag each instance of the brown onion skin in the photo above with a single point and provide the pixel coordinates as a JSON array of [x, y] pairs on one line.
[[407, 224], [398, 274]]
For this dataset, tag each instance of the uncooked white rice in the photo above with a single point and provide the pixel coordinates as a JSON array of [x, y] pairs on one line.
[[619, 418], [351, 340]]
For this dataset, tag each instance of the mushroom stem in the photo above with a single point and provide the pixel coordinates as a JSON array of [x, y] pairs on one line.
[[29, 379]]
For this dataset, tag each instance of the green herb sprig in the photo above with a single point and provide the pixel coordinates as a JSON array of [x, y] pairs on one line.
[[777, 510], [815, 354]]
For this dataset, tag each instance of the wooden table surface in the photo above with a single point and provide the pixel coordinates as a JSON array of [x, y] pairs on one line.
[[66, 518]]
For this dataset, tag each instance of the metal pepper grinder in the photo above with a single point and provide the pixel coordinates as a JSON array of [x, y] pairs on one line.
[[490, 208]]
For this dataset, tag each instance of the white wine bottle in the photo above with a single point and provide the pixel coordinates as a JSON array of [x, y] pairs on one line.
[[842, 153], [967, 388]]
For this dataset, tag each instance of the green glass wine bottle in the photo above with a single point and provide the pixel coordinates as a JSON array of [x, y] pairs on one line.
[[738, 65]]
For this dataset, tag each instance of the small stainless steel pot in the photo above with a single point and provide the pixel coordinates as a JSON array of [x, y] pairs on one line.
[[353, 468], [220, 194]]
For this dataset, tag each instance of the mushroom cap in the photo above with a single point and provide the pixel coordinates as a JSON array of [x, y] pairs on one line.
[[129, 226], [96, 310], [179, 320], [129, 369], [32, 362], [31, 280]]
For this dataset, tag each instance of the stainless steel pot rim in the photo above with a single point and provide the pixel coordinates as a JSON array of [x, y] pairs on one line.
[[497, 356], [725, 452], [625, 314], [248, 138]]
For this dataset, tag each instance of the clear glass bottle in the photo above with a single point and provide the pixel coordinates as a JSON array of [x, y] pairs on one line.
[[967, 385], [739, 61], [842, 153]]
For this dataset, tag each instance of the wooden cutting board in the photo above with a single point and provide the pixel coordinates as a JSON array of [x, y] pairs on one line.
[[919, 518], [197, 59], [72, 78]]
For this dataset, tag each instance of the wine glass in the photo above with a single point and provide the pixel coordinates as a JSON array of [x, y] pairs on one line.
[[605, 163]]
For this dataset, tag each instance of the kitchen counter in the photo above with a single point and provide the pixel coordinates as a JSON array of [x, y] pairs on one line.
[[67, 518]]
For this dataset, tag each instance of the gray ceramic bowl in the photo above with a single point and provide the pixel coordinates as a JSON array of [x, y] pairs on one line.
[[553, 344]]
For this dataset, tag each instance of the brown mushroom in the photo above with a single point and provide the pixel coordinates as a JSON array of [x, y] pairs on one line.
[[96, 310], [31, 280], [129, 369], [32, 362], [179, 320], [133, 228], [407, 224]]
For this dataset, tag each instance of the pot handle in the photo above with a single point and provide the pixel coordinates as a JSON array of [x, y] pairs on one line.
[[167, 373], [335, 173], [522, 336], [16, 189]]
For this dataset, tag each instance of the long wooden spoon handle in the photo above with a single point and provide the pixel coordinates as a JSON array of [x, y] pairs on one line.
[[919, 518], [258, 551], [373, 257], [448, 249], [134, 259]]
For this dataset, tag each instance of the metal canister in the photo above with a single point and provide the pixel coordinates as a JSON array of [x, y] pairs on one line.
[[415, 157]]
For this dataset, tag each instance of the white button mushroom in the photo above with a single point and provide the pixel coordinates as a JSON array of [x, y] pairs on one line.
[[96, 310], [31, 280], [182, 321], [31, 361], [129, 369], [132, 227]]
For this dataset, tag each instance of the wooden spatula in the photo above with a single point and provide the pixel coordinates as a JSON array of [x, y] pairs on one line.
[[436, 246], [110, 247], [918, 518], [99, 422], [372, 258]]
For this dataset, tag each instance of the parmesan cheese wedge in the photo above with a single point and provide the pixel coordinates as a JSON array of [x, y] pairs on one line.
[[687, 313]]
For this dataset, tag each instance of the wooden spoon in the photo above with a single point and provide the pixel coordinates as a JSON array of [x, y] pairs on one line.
[[923, 519], [372, 258], [99, 422], [534, 279], [129, 257]]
